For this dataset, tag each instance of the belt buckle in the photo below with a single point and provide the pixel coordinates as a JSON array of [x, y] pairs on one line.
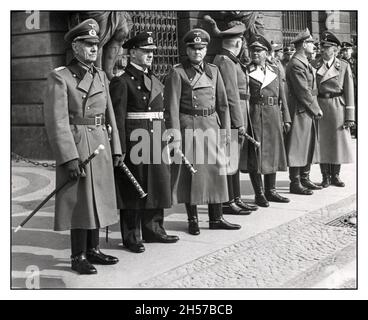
[[270, 101], [98, 120], [205, 113]]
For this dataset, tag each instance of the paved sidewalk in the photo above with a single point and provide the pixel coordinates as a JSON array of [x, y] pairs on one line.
[[283, 246]]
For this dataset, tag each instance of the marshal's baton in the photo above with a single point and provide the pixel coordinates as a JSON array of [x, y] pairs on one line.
[[251, 139], [133, 180], [187, 163], [82, 165]]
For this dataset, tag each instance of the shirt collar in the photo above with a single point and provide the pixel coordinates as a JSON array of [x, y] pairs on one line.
[[329, 62], [139, 67]]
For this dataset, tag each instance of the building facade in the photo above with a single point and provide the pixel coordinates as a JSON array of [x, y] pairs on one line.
[[37, 46]]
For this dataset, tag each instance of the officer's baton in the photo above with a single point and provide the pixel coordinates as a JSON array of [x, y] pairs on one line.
[[187, 163], [82, 166], [251, 139], [133, 180]]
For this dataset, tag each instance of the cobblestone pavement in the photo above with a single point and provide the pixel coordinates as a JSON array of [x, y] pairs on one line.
[[285, 245], [268, 260]]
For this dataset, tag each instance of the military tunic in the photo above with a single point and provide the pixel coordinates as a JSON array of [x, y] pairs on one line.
[[335, 141], [72, 92], [186, 88], [131, 92], [268, 112], [302, 143]]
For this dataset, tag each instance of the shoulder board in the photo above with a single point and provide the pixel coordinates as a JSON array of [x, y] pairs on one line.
[[211, 64], [59, 68], [177, 65]]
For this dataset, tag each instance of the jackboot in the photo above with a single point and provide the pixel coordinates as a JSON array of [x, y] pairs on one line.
[[270, 189], [335, 175], [257, 184], [295, 185], [326, 175], [305, 180], [192, 213]]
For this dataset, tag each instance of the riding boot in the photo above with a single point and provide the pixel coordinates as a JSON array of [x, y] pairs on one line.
[[270, 189], [295, 185], [326, 175], [335, 175], [257, 184], [192, 213], [305, 180]]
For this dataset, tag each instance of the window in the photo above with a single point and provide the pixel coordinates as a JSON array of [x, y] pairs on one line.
[[294, 22]]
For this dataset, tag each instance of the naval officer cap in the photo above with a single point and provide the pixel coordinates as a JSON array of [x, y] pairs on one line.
[[197, 38], [258, 41], [329, 39], [143, 40], [305, 35], [87, 30]]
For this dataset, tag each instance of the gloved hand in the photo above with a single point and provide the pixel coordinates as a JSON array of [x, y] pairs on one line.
[[176, 145], [319, 115], [241, 131], [349, 124], [118, 160], [74, 170], [287, 127]]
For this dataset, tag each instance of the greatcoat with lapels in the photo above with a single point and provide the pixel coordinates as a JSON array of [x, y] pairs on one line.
[[268, 112], [132, 93], [335, 139], [72, 92], [302, 142], [188, 89]]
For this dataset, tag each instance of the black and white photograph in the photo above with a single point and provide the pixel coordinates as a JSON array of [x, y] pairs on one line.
[[188, 149]]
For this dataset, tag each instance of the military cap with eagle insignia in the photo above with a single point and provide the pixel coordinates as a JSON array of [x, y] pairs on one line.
[[257, 40], [197, 37], [87, 30], [328, 38], [305, 35], [346, 45], [143, 40]]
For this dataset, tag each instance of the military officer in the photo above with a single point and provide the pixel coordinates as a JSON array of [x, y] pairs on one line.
[[236, 86], [270, 118], [77, 108], [303, 140], [336, 98], [137, 97], [195, 103], [288, 53]]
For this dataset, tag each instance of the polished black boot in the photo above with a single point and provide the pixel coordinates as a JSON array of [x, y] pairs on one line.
[[304, 178], [295, 185], [192, 213], [270, 189], [232, 208], [81, 265], [326, 175], [335, 176], [94, 255], [217, 221], [259, 198], [247, 206]]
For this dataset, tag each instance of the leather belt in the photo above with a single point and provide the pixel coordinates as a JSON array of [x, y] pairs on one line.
[[198, 112], [329, 95], [144, 115], [98, 120], [265, 101], [244, 96]]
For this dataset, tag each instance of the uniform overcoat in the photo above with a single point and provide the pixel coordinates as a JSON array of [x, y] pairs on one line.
[[131, 92], [236, 85], [89, 202], [302, 143], [335, 140], [268, 112], [190, 89]]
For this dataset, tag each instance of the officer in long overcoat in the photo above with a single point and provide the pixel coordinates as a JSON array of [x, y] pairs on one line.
[[270, 118], [77, 109], [236, 86], [303, 139], [196, 105], [137, 97], [336, 98]]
